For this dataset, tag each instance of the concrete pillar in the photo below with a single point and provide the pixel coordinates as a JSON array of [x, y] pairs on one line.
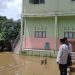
[[21, 34], [56, 33]]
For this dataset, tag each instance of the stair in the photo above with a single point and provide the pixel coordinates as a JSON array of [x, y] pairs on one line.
[[71, 70], [73, 57], [68, 71]]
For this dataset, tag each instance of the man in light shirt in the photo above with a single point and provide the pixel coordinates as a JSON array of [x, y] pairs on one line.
[[62, 57]]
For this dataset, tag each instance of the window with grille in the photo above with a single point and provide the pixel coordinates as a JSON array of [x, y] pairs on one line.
[[40, 34], [69, 34], [72, 0], [37, 1]]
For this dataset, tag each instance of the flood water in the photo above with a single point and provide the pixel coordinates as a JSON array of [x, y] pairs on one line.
[[11, 64], [14, 64]]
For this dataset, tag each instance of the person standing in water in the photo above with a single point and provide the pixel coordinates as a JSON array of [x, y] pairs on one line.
[[62, 57], [69, 60]]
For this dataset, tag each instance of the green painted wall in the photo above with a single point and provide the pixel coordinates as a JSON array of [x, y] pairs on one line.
[[50, 6], [40, 24], [64, 5], [66, 24]]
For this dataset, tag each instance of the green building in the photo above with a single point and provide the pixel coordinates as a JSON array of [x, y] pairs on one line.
[[46, 21]]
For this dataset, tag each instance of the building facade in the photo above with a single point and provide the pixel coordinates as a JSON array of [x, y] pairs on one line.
[[44, 22]]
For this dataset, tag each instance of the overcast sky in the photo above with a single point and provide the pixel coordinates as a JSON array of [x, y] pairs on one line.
[[11, 8]]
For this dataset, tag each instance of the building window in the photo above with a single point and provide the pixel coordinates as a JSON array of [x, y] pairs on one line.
[[69, 34], [40, 34], [66, 34], [42, 1], [72, 0], [73, 35], [37, 1]]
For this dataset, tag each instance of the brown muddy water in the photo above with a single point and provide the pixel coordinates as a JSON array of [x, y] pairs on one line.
[[14, 64]]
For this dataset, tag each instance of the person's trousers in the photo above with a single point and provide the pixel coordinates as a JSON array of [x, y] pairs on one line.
[[63, 69]]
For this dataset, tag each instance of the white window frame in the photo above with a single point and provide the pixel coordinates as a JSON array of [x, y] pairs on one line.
[[70, 35], [40, 34]]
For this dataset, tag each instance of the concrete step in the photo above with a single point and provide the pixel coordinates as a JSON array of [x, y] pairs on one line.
[[68, 71], [72, 68], [73, 61], [73, 57], [72, 54]]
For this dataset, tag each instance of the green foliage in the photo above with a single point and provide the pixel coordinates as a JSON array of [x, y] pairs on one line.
[[9, 28]]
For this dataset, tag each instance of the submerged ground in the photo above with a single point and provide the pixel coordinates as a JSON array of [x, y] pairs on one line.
[[14, 64]]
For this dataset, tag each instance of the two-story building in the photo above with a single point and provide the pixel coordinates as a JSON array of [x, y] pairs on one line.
[[46, 21]]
